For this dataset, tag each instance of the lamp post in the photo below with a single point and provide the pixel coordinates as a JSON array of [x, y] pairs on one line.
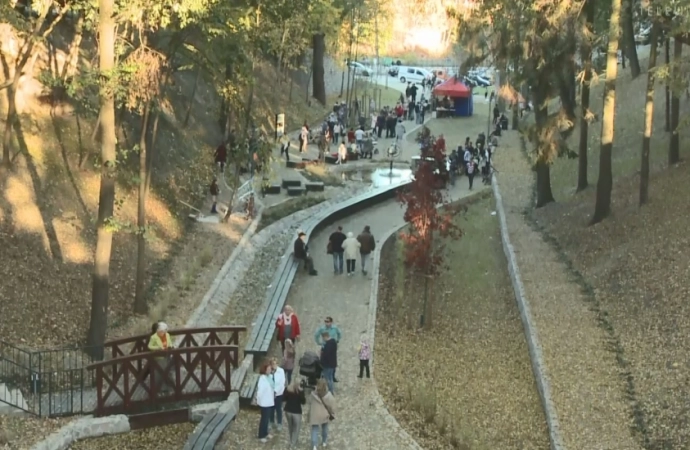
[[488, 120]]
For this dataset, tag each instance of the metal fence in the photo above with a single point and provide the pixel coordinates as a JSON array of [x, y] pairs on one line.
[[46, 383]]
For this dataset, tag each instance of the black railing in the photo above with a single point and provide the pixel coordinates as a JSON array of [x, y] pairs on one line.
[[46, 382]]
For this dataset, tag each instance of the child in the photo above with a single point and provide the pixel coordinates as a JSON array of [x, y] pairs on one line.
[[289, 359], [364, 356]]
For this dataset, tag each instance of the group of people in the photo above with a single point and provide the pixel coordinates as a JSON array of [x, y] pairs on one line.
[[343, 248], [475, 157], [280, 393]]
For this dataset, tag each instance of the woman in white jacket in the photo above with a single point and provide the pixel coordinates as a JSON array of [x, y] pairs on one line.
[[265, 399], [351, 247], [279, 388]]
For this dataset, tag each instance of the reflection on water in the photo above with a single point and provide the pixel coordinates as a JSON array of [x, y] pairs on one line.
[[386, 177], [378, 177]]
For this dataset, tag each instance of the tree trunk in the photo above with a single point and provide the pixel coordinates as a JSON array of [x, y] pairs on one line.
[[586, 57], [674, 147], [9, 122], [629, 38], [73, 57], [667, 50], [541, 113], [25, 54], [319, 87], [602, 207], [648, 117], [191, 98], [140, 306], [101, 270]]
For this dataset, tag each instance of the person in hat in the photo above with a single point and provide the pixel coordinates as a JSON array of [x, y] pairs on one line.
[[301, 252]]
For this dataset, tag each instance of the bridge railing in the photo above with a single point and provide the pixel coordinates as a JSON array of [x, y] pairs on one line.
[[128, 383], [183, 337]]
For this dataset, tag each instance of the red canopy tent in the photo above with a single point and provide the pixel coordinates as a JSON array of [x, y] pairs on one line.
[[452, 88]]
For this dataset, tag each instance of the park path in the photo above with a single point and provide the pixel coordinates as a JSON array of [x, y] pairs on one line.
[[586, 383], [362, 421]]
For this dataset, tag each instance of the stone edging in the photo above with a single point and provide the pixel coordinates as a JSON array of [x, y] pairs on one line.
[[531, 335], [205, 304], [371, 329], [93, 427]]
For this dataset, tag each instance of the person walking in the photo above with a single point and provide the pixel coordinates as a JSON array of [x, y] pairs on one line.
[[335, 247], [289, 355], [321, 412], [367, 245], [342, 153], [279, 382], [471, 170], [364, 354], [329, 359], [333, 332], [294, 400], [351, 247], [214, 191], [220, 156], [287, 324], [399, 134], [265, 399]]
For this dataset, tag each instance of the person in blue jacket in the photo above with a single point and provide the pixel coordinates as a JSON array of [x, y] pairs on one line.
[[333, 332]]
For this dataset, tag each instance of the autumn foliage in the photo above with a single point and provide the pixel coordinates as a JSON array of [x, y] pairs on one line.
[[430, 219]]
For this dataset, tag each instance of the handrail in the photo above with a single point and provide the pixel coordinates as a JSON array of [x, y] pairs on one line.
[[176, 332], [160, 353]]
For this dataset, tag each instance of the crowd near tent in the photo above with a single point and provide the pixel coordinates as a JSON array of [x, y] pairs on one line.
[[459, 94]]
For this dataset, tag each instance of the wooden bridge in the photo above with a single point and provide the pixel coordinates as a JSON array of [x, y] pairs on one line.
[[134, 378]]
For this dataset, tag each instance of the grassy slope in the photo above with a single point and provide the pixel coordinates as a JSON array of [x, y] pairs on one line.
[[635, 264], [477, 387], [49, 202]]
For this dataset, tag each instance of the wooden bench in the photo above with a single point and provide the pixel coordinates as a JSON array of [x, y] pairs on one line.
[[272, 189], [249, 389], [211, 428]]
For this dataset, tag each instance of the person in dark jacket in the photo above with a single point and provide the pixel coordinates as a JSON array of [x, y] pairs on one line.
[[301, 252], [335, 246], [220, 156], [329, 359], [214, 191], [367, 245], [293, 400]]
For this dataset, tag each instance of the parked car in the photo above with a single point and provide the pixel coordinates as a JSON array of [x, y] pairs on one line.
[[360, 69], [414, 74]]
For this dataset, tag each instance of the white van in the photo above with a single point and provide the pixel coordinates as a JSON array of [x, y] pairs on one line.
[[413, 74]]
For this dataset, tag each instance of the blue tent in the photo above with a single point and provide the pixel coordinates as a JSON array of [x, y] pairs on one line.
[[464, 107]]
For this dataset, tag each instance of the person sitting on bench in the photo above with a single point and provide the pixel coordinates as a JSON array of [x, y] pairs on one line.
[[301, 252]]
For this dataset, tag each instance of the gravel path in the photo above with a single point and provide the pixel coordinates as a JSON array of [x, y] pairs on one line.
[[586, 385]]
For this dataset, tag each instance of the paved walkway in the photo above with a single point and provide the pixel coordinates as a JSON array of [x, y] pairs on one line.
[[361, 422]]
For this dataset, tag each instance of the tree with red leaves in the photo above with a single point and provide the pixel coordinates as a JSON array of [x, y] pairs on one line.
[[430, 219]]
